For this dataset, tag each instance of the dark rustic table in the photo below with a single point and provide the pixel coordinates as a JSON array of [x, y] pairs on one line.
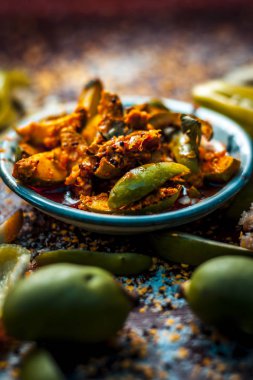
[[163, 56]]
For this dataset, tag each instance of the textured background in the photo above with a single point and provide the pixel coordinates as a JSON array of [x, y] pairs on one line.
[[161, 54]]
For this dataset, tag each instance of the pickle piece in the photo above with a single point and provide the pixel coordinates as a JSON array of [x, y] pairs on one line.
[[66, 302], [155, 103], [220, 293], [47, 132], [90, 97], [99, 203], [162, 205], [162, 119], [189, 249], [25, 150], [141, 181], [106, 170], [122, 264], [90, 130], [185, 144], [40, 169], [220, 169], [152, 204], [96, 203]]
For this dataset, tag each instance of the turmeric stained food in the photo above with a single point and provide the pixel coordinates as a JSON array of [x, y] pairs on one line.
[[136, 160]]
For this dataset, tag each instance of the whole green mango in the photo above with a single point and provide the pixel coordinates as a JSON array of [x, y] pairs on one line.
[[220, 293], [66, 302]]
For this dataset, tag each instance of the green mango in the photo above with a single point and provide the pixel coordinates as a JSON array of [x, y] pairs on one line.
[[140, 181], [220, 293], [40, 365], [66, 302]]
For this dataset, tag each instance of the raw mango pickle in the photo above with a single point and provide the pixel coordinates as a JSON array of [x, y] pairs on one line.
[[221, 170], [141, 181]]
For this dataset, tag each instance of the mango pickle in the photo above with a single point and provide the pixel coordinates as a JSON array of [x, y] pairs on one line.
[[141, 181], [220, 293], [189, 249], [47, 132], [116, 159], [157, 206], [90, 131], [90, 97], [122, 264], [185, 144], [231, 100], [162, 119], [221, 169], [148, 205], [40, 169], [157, 104]]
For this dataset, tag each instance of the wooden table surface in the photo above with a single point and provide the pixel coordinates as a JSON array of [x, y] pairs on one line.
[[159, 56]]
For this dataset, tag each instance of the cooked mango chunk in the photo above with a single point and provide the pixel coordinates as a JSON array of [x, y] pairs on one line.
[[41, 169], [220, 169]]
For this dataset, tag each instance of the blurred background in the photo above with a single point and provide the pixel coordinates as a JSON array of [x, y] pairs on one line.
[[160, 47]]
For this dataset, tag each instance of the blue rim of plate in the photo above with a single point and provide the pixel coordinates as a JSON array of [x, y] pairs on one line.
[[189, 213]]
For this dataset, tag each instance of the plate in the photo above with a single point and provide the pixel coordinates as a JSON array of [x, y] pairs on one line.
[[227, 131]]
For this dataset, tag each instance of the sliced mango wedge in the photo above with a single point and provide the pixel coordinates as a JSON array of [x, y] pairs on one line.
[[14, 261]]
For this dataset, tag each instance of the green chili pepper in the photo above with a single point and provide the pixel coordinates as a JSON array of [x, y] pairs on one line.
[[122, 264], [184, 248], [185, 144], [234, 101], [141, 181]]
